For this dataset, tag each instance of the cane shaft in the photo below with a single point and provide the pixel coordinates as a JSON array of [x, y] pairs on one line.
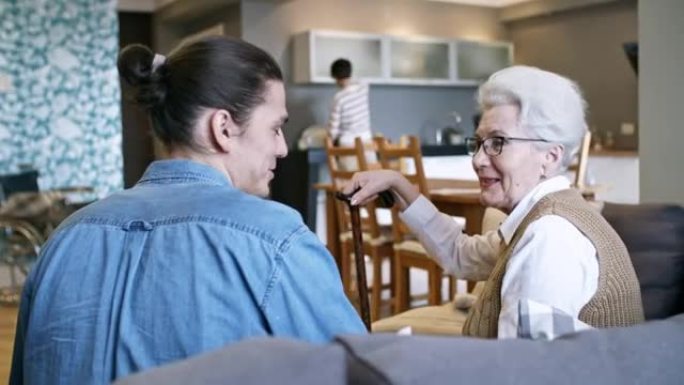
[[360, 266]]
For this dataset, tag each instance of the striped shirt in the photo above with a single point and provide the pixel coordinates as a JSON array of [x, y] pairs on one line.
[[350, 115]]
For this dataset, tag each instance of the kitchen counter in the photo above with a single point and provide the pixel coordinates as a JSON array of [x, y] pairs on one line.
[[619, 153], [317, 155]]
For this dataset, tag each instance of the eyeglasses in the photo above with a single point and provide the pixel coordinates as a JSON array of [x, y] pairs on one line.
[[493, 145]]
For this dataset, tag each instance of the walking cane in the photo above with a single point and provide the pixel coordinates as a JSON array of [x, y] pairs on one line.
[[385, 199]]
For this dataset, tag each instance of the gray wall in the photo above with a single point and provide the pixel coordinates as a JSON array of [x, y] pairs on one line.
[[185, 17], [585, 44], [395, 110], [661, 81]]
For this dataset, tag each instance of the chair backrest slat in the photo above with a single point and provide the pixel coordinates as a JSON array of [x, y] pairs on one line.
[[579, 167], [343, 163], [397, 157]]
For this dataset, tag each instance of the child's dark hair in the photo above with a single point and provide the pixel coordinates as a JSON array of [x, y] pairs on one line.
[[341, 69], [214, 72]]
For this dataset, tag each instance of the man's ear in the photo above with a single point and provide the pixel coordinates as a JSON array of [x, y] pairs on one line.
[[222, 129]]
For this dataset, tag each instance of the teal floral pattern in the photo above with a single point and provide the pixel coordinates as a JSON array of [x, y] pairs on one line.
[[60, 99]]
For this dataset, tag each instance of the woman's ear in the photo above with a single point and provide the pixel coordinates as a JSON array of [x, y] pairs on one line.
[[222, 129], [553, 158]]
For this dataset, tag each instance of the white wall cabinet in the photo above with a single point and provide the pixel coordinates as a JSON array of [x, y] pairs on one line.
[[475, 61], [419, 61], [386, 59], [315, 51]]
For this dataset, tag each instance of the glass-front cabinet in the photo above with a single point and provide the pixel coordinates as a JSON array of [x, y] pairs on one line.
[[385, 59], [419, 61], [477, 60], [315, 51]]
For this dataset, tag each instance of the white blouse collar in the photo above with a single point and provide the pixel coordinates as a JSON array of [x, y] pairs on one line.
[[520, 211]]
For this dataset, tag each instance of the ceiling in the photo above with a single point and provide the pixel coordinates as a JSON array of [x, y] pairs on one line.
[[151, 5], [485, 3]]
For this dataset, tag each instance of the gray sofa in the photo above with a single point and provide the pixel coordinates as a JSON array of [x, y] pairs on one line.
[[654, 236], [651, 353]]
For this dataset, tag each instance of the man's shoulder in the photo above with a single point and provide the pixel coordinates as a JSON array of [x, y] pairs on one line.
[[215, 204], [264, 213]]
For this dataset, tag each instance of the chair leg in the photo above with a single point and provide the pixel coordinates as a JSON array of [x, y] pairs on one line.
[[345, 266], [471, 286], [392, 283], [434, 286], [452, 286], [376, 299], [401, 277]]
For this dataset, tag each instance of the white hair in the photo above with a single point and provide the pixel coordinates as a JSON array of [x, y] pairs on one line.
[[551, 106]]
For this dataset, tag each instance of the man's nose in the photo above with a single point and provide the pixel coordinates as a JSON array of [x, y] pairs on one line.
[[281, 151]]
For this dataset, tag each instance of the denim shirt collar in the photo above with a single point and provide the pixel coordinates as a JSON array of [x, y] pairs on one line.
[[173, 171]]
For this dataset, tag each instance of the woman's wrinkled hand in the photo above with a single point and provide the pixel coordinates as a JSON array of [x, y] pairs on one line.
[[366, 185], [369, 184]]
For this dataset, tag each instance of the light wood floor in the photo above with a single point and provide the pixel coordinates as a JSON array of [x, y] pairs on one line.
[[8, 323]]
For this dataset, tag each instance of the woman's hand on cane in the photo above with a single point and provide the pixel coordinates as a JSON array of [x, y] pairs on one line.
[[371, 183]]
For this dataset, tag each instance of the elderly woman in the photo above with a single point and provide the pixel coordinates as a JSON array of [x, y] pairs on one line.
[[553, 248]]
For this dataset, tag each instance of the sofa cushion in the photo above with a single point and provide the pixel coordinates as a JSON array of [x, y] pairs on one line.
[[649, 353], [654, 236], [254, 362]]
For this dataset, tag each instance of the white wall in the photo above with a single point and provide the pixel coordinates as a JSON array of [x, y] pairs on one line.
[[661, 105]]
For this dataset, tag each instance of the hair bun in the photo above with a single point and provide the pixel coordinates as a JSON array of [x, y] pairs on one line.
[[135, 67], [135, 64]]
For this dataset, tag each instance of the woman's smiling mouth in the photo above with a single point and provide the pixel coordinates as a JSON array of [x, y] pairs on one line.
[[486, 183]]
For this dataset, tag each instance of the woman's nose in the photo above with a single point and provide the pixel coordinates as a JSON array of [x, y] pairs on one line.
[[480, 158]]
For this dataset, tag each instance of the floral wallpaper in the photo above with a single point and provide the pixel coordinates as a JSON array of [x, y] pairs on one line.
[[59, 96]]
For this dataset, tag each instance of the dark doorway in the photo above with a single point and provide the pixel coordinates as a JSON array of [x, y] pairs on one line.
[[137, 143]]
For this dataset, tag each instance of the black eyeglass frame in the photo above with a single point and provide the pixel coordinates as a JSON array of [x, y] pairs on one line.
[[504, 140]]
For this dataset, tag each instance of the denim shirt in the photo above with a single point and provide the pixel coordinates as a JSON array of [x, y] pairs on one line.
[[180, 264]]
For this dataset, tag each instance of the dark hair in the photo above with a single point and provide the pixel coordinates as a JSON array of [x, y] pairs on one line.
[[214, 72], [341, 69]]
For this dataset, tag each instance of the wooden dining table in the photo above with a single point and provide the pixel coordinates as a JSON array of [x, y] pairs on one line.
[[451, 196]]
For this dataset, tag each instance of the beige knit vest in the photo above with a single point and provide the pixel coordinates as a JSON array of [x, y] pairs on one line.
[[617, 301]]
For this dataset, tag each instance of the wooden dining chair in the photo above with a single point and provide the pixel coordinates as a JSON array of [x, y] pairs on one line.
[[579, 165], [406, 157], [377, 239]]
